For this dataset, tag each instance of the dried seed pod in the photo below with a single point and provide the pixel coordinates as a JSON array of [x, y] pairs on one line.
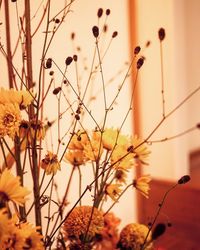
[[56, 90], [48, 64], [161, 34], [184, 179], [115, 33], [140, 62], [75, 57], [137, 50], [95, 31], [68, 60], [100, 12], [108, 12]]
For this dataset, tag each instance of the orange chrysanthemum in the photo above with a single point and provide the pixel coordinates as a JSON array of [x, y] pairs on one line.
[[133, 236], [80, 221]]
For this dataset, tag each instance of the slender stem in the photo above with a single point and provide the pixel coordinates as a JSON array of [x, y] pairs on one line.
[[8, 41]]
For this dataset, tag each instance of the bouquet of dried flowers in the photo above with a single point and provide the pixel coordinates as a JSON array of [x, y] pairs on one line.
[[25, 132]]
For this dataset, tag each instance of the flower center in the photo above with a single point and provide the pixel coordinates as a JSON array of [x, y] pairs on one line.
[[8, 119]]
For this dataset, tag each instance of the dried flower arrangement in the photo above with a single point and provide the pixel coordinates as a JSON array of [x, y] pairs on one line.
[[106, 151]]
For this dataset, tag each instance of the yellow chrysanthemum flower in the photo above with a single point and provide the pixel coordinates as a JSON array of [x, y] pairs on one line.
[[10, 119], [11, 190], [113, 191], [78, 140], [120, 176], [21, 97], [33, 239], [93, 149], [50, 163], [140, 150], [133, 236], [142, 185], [75, 157], [76, 225], [112, 137], [121, 158]]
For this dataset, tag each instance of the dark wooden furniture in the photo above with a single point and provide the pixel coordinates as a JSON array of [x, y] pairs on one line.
[[182, 209]]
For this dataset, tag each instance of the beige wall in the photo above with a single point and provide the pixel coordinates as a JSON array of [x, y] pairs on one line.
[[169, 160]]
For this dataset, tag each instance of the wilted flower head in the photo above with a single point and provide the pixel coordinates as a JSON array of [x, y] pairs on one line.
[[77, 223], [50, 163], [133, 236], [142, 185], [10, 188]]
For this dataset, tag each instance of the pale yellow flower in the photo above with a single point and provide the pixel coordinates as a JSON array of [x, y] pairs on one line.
[[21, 97], [10, 119], [75, 157], [76, 225], [133, 236], [50, 163], [112, 137], [78, 140], [121, 159], [142, 185], [113, 191], [93, 149], [140, 150], [120, 176], [11, 190]]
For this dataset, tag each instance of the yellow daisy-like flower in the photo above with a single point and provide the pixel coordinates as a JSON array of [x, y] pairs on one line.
[[133, 236], [140, 150], [10, 119], [75, 157], [113, 191], [21, 97], [33, 239], [112, 137], [121, 158], [142, 185], [50, 163], [120, 176], [11, 190], [76, 225], [93, 149], [78, 140]]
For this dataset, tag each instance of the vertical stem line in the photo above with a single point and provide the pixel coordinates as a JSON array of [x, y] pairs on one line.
[[8, 43], [35, 169]]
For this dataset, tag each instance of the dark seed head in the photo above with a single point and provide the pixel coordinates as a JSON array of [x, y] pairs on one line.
[[48, 63], [158, 231], [140, 62], [184, 179], [100, 12], [95, 31], [108, 12], [137, 50], [68, 60], [115, 33], [56, 90], [161, 34]]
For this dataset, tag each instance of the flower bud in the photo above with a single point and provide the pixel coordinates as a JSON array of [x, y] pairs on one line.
[[56, 90], [48, 63], [108, 12], [115, 33], [137, 50], [158, 231], [140, 62]]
